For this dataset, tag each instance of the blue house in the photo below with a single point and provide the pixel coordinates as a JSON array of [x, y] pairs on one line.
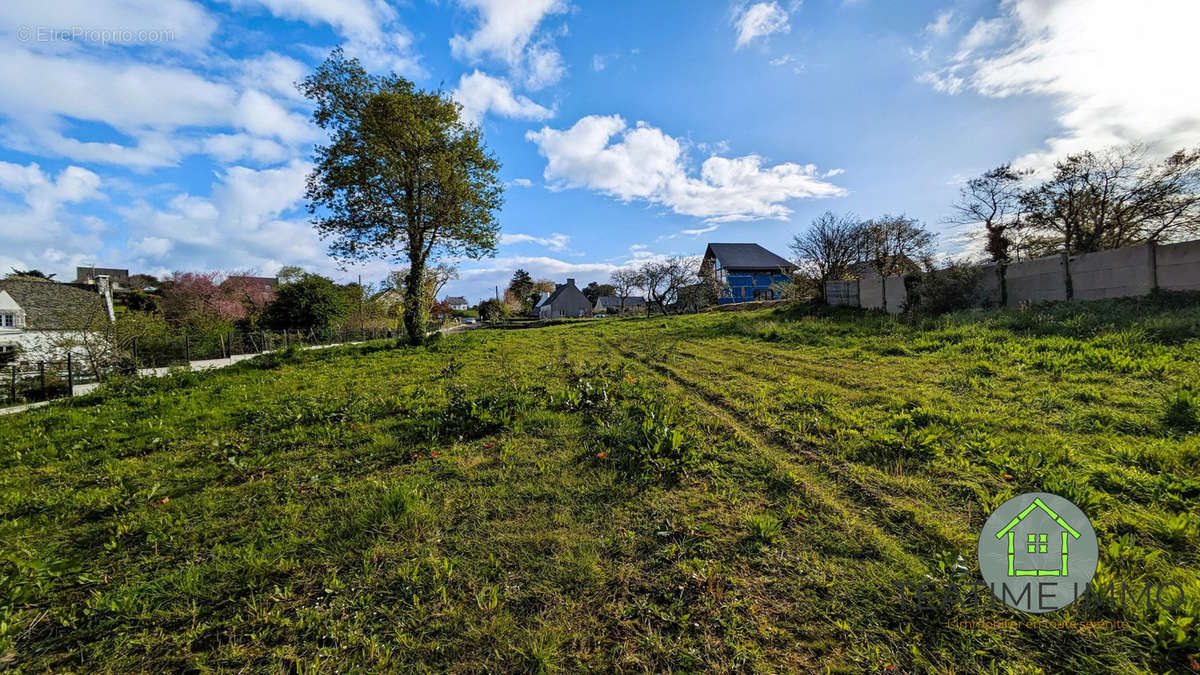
[[746, 272]]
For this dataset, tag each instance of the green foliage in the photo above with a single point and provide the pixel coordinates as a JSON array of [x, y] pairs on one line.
[[764, 530], [662, 440], [507, 500], [1183, 409], [312, 302], [948, 289], [403, 176], [492, 310]]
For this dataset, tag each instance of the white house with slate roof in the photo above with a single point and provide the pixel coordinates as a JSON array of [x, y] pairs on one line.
[[44, 320]]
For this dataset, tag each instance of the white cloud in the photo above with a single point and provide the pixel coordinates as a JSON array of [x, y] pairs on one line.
[[247, 222], [164, 113], [946, 81], [262, 115], [33, 230], [759, 20], [555, 242], [643, 163], [696, 232], [371, 28], [505, 32], [126, 95], [787, 59], [544, 67], [150, 247], [522, 182], [188, 25], [274, 73], [43, 194], [239, 147], [941, 23], [479, 94], [984, 33], [505, 28], [1117, 70]]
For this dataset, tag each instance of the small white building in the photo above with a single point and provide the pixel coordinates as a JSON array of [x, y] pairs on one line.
[[46, 320], [457, 303]]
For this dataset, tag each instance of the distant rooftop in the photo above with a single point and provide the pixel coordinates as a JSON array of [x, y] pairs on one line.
[[607, 301], [87, 275]]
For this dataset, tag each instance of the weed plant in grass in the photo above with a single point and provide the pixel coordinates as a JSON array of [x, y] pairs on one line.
[[735, 490]]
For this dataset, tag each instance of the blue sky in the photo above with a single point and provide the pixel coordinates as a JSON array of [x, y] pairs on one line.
[[166, 135]]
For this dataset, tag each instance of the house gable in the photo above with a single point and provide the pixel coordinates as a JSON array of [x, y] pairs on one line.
[[7, 303]]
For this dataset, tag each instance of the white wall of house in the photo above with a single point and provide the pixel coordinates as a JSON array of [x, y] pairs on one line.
[[48, 345]]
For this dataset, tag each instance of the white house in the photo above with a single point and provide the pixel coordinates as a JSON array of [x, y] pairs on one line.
[[46, 320], [457, 303]]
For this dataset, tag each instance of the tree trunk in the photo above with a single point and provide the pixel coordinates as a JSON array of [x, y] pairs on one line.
[[416, 314]]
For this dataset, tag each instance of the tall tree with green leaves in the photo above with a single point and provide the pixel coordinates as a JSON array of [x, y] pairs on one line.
[[521, 287], [403, 177], [312, 302]]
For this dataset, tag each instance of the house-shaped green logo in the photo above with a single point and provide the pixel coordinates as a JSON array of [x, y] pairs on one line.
[[1034, 552]]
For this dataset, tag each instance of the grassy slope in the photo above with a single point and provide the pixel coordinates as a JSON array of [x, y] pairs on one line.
[[493, 501]]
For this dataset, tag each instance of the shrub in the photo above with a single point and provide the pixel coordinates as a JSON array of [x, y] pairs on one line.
[[940, 291]]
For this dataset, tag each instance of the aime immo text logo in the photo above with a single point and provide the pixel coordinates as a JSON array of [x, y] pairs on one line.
[[1038, 552]]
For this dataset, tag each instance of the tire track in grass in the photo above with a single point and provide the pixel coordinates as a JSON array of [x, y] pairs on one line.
[[835, 501], [907, 508]]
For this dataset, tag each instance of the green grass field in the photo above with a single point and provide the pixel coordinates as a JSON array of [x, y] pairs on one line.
[[719, 491]]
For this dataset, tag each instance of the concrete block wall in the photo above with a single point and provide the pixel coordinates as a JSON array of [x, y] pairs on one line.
[[842, 293], [896, 294], [870, 292], [1178, 266], [989, 289], [1038, 280], [1119, 273]]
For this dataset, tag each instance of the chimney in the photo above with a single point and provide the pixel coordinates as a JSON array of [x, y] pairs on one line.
[[570, 282], [105, 290]]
